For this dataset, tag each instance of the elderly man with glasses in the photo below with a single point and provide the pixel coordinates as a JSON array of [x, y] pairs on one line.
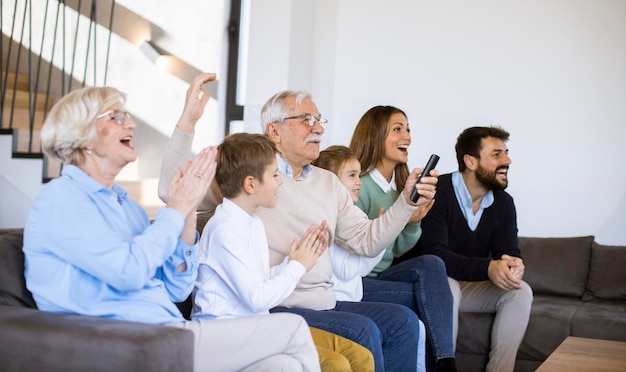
[[308, 196]]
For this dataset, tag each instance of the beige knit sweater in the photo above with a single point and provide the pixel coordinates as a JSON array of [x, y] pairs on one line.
[[320, 196]]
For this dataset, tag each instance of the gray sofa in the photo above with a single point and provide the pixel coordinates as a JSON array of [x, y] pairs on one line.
[[33, 340], [579, 290]]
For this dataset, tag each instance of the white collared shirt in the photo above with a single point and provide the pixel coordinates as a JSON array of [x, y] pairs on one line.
[[382, 182], [235, 278]]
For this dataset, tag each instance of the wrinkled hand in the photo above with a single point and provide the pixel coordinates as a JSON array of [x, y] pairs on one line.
[[195, 102], [189, 185], [427, 188], [502, 276], [312, 244]]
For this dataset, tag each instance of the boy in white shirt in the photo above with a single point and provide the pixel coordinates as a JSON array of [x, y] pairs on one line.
[[234, 277]]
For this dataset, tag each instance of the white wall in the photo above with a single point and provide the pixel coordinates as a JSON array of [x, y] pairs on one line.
[[194, 33], [552, 73], [20, 181]]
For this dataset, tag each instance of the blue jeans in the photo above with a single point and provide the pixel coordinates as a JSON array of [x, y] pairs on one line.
[[420, 284], [388, 330]]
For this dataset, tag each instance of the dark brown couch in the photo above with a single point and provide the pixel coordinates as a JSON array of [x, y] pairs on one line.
[[579, 290], [33, 340]]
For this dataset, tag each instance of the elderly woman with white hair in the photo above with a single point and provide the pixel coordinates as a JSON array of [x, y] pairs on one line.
[[91, 250]]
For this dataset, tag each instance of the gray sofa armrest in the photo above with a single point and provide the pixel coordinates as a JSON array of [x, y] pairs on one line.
[[33, 340]]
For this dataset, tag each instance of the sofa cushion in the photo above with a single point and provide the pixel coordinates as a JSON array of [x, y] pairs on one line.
[[34, 340], [474, 335], [473, 341], [12, 283], [600, 319], [550, 323], [607, 277], [556, 266], [471, 362]]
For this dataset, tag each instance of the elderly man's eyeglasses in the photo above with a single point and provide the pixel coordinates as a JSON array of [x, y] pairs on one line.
[[117, 116], [308, 119]]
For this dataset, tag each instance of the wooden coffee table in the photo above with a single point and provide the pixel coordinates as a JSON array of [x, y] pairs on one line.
[[586, 354]]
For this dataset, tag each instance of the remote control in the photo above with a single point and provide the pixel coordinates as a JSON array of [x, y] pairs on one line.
[[432, 162]]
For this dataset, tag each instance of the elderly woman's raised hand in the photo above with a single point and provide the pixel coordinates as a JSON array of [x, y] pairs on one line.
[[191, 183], [195, 102]]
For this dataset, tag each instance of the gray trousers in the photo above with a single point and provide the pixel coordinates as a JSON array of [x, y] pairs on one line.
[[273, 342], [512, 311]]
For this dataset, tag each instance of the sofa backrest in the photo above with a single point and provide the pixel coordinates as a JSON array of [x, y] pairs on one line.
[[557, 266], [607, 274], [574, 267], [13, 290]]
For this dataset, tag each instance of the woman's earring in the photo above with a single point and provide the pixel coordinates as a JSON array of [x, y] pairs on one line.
[[88, 151]]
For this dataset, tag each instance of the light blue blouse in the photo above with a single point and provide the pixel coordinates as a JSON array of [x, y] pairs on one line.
[[90, 250]]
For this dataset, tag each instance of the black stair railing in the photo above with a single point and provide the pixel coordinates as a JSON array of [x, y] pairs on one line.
[[52, 68]]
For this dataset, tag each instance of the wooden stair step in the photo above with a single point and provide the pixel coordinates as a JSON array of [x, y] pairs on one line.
[[22, 99], [11, 77], [21, 118]]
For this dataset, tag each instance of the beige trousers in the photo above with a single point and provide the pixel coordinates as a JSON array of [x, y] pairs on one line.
[[512, 311], [273, 342]]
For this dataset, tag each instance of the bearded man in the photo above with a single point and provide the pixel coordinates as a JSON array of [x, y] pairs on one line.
[[473, 228]]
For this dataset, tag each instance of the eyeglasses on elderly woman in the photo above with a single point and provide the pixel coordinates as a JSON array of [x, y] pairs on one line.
[[117, 116]]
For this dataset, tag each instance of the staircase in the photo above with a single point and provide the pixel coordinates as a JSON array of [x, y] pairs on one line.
[[16, 121], [23, 163], [68, 44], [23, 167], [32, 79], [20, 181], [21, 150]]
